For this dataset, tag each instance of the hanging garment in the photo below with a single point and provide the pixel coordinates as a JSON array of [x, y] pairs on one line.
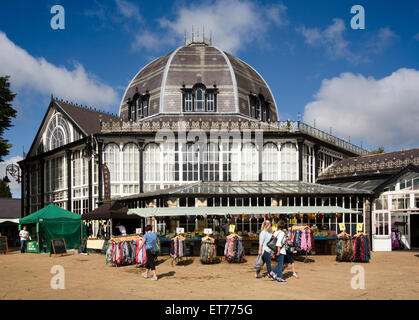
[[207, 253], [361, 249], [344, 249], [177, 248], [234, 251]]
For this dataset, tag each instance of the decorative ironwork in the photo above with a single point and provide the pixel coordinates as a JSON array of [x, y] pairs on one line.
[[280, 126], [14, 171]]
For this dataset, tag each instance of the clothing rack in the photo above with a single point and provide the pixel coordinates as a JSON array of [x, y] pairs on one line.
[[301, 228], [208, 250], [176, 259]]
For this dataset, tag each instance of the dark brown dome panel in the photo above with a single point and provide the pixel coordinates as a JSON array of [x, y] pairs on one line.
[[148, 79], [198, 64], [249, 81]]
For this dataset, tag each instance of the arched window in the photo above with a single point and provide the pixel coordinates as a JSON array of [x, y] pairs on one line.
[[259, 108], [170, 161], [289, 161], [58, 138], [130, 163], [58, 132], [199, 99], [308, 166], [190, 162], [111, 159], [152, 160], [211, 162], [249, 163], [210, 101], [270, 162], [187, 101], [139, 107], [234, 161]]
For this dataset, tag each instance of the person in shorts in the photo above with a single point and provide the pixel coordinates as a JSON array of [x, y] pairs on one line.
[[150, 241], [289, 260]]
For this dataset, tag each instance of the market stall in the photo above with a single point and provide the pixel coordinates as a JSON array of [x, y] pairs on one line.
[[245, 221], [101, 223], [53, 222]]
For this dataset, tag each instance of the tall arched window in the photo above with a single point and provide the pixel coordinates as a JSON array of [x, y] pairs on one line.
[[249, 163], [170, 161], [199, 99], [152, 160], [270, 162], [190, 162], [289, 161], [234, 161], [58, 132], [211, 162], [130, 163], [111, 159], [308, 165]]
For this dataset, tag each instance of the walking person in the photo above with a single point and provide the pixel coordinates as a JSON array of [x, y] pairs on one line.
[[264, 250], [24, 237], [289, 259], [151, 243], [281, 245]]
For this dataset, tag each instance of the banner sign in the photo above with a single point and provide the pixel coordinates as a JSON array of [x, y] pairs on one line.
[[32, 247], [106, 183], [342, 226], [359, 227], [232, 228]]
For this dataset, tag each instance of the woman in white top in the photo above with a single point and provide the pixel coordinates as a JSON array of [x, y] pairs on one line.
[[280, 253], [264, 250]]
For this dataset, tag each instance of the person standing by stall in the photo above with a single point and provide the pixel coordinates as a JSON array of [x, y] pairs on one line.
[[281, 245], [24, 237], [151, 243], [264, 250], [121, 229]]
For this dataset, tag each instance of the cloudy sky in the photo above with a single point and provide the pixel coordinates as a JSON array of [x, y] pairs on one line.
[[362, 84]]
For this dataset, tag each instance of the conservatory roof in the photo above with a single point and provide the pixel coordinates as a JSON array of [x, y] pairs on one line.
[[223, 211], [203, 189]]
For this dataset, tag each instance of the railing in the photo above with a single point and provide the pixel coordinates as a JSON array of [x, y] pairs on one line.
[[329, 138], [280, 126]]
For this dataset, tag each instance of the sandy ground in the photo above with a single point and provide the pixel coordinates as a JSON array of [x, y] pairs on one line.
[[392, 275]]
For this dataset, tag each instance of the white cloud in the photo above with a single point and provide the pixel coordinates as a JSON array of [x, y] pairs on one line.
[[46, 78], [332, 39], [13, 185], [233, 23], [383, 39], [128, 9], [378, 111]]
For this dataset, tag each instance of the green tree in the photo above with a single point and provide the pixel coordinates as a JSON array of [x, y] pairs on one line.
[[6, 114], [378, 151], [4, 190]]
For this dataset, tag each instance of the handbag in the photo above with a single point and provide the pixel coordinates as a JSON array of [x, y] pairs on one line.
[[258, 263], [272, 243], [155, 249]]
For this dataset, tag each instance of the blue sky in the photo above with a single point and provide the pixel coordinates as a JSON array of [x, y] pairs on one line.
[[362, 83]]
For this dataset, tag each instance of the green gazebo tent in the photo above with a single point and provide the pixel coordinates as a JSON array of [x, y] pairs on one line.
[[57, 223]]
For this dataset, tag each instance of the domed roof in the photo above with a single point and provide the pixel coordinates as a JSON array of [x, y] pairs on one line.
[[198, 63]]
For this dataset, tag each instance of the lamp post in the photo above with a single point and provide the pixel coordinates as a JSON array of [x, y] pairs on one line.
[[14, 171]]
